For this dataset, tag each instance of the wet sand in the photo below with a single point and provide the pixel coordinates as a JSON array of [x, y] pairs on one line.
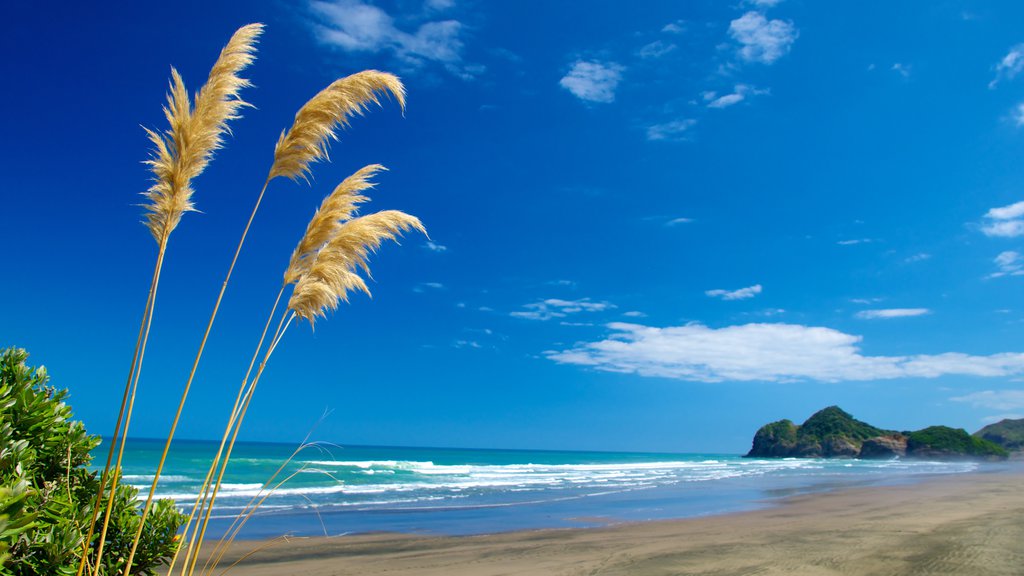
[[963, 525]]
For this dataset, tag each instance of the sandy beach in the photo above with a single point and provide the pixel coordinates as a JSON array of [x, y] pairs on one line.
[[963, 525]]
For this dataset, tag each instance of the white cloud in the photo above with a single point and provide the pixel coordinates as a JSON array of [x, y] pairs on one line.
[[357, 26], [1005, 221], [439, 5], [674, 130], [424, 286], [763, 3], [435, 247], [557, 308], [741, 294], [1000, 417], [1015, 210], [887, 313], [1018, 115], [762, 40], [1010, 263], [865, 300], [739, 93], [1009, 66], [593, 81], [634, 314], [766, 352], [994, 399], [854, 241], [677, 27], [901, 69], [656, 49], [678, 221], [919, 257]]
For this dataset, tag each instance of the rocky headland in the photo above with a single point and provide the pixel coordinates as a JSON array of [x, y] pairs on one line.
[[833, 433]]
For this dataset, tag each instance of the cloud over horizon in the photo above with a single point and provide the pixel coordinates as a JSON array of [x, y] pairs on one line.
[[767, 353]]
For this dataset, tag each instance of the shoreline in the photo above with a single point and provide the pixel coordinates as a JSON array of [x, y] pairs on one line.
[[964, 524]]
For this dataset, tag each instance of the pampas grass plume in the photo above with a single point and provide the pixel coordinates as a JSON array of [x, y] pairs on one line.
[[332, 274], [317, 122], [183, 151], [338, 207]]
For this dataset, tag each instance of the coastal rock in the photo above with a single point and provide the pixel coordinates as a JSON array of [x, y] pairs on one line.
[[828, 433], [775, 440], [883, 447], [833, 433]]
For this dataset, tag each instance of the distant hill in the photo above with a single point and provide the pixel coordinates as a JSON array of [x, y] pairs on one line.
[[834, 433], [1007, 433]]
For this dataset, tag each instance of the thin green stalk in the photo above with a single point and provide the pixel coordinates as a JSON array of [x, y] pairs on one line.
[[188, 384]]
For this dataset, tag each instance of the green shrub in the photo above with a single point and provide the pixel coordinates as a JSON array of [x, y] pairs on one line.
[[943, 439], [47, 492]]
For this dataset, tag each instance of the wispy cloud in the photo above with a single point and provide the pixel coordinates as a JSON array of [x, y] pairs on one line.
[[767, 352], [762, 3], [593, 81], [656, 49], [854, 241], [762, 40], [1009, 66], [634, 314], [1010, 263], [901, 69], [678, 221], [919, 257], [888, 313], [424, 286], [557, 308], [994, 399], [677, 27], [1005, 221], [741, 294], [738, 94], [674, 130], [435, 247], [1018, 114], [357, 26]]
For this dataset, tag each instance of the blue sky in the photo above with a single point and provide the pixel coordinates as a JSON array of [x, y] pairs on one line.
[[653, 227]]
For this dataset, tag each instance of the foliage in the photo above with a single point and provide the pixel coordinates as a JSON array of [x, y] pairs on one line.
[[1007, 433], [946, 440], [834, 422], [47, 492]]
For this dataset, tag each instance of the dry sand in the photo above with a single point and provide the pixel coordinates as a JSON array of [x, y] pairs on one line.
[[964, 525]]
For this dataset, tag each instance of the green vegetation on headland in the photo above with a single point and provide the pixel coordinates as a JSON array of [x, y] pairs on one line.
[[47, 492], [833, 433], [1007, 433]]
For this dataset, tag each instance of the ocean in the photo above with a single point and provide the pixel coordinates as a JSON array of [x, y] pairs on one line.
[[334, 489]]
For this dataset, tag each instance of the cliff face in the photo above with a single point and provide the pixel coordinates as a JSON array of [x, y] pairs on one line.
[[833, 433]]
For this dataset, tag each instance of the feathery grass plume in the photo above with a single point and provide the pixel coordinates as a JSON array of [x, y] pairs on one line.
[[338, 207], [331, 275], [183, 151], [316, 123], [180, 154]]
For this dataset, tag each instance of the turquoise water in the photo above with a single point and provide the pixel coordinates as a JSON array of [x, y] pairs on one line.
[[349, 489]]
